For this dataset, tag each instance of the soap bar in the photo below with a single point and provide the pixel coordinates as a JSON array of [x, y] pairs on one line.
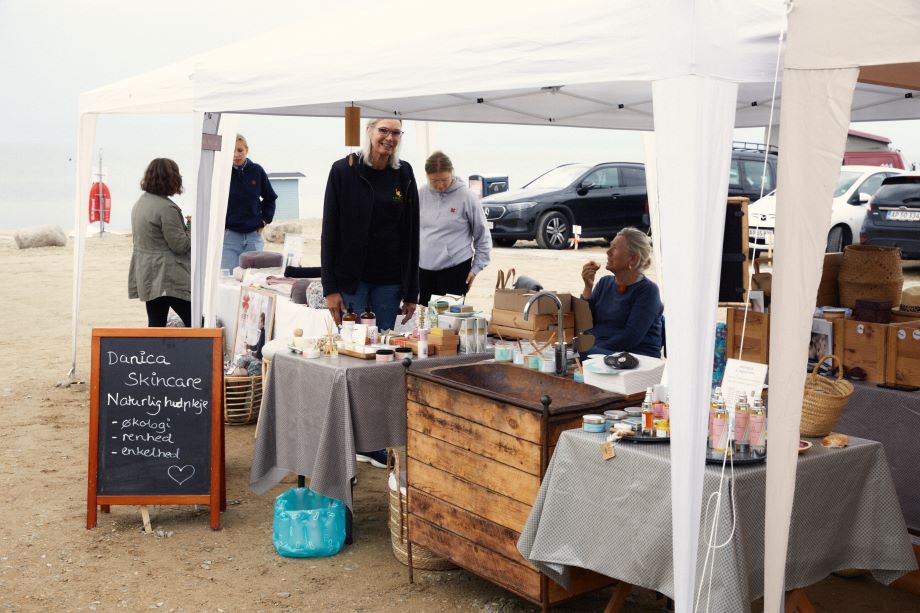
[[461, 308]]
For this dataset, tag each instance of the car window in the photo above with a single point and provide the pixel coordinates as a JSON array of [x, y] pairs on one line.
[[604, 177], [632, 177], [734, 175], [753, 173], [871, 185], [559, 177], [847, 178]]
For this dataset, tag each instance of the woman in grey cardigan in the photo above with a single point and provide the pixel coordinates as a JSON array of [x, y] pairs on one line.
[[160, 271]]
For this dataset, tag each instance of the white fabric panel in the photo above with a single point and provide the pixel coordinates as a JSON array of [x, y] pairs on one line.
[[86, 138], [165, 90], [205, 123], [693, 134], [813, 131], [822, 33], [208, 278]]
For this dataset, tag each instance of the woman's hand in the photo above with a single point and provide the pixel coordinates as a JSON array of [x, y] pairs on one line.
[[334, 304], [588, 272], [470, 276], [408, 310]]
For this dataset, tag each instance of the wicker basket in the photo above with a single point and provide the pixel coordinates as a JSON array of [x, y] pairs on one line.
[[242, 400], [824, 400], [422, 558], [870, 272]]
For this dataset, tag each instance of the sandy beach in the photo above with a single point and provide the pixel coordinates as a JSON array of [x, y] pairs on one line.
[[49, 561]]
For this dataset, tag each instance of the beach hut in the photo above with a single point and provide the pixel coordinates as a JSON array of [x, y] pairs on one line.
[[687, 71]]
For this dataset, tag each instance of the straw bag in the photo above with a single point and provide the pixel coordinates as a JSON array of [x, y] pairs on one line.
[[422, 558], [870, 272], [824, 400]]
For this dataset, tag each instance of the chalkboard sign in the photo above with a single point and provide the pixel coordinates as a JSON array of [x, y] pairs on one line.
[[156, 428]]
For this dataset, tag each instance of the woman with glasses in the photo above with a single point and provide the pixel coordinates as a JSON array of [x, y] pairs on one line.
[[370, 238], [455, 242]]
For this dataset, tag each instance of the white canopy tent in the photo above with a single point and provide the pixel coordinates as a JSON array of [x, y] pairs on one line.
[[690, 70]]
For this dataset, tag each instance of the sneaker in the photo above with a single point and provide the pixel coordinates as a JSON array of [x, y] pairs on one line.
[[375, 458]]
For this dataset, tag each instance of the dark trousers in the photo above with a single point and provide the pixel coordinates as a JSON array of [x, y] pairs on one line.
[[158, 310], [447, 281]]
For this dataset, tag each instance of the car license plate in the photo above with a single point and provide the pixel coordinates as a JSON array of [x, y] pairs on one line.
[[759, 233], [904, 215]]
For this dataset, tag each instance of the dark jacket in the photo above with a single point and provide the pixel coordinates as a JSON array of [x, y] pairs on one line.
[[347, 211], [252, 200]]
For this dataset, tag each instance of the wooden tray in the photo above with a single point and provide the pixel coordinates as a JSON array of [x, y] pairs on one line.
[[359, 355]]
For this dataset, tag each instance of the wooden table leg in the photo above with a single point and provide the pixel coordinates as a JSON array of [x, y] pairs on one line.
[[797, 600], [618, 598]]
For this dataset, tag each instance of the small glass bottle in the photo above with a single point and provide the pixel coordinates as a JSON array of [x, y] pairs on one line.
[[350, 314], [368, 317], [648, 416], [714, 402], [757, 428], [742, 414], [720, 428]]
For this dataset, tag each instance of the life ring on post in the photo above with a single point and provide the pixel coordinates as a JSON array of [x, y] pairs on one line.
[[95, 206]]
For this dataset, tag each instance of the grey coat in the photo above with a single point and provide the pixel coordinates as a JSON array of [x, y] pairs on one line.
[[161, 260]]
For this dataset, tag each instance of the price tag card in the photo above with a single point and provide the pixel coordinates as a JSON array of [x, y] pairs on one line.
[[742, 377]]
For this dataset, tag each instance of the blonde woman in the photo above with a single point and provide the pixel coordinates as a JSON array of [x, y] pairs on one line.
[[250, 207]]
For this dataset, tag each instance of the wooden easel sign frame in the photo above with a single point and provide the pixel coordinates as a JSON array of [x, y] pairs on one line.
[[156, 419]]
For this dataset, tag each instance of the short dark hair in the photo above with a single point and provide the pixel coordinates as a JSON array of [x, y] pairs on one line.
[[162, 178], [438, 162]]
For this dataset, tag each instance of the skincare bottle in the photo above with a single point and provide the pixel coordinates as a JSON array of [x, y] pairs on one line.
[[368, 317], [720, 428], [757, 427], [742, 415], [350, 314]]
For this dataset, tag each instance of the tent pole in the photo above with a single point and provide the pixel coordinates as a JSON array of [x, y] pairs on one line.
[[209, 126]]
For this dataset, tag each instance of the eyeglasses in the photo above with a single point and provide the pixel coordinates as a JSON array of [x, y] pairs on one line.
[[386, 132]]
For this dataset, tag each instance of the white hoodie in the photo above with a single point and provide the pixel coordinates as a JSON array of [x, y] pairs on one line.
[[452, 228]]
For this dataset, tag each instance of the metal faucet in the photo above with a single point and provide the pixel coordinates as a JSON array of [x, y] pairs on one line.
[[560, 343]]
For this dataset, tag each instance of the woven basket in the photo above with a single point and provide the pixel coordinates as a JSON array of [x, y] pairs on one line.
[[824, 400], [422, 558], [870, 272], [242, 400]]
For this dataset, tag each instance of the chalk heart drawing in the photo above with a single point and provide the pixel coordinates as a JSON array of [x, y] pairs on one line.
[[181, 474]]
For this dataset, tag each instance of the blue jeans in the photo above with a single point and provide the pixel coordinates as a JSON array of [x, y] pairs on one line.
[[383, 299], [236, 243]]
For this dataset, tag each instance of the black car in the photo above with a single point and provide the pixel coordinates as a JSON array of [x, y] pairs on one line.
[[602, 199], [747, 171], [893, 219]]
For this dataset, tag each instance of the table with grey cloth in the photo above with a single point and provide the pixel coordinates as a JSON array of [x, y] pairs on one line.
[[614, 517], [892, 418], [317, 413]]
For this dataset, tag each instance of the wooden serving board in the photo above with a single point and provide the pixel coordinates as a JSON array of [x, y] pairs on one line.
[[358, 354]]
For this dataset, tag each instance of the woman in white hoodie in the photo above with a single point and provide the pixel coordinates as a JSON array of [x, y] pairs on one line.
[[455, 243]]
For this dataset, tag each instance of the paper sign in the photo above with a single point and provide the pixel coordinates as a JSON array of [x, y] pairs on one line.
[[742, 377], [359, 334], [293, 249]]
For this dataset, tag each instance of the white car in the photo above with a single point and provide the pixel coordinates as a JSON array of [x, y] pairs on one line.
[[851, 200]]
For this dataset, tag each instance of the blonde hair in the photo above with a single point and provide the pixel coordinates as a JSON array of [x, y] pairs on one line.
[[242, 139], [366, 148], [638, 244]]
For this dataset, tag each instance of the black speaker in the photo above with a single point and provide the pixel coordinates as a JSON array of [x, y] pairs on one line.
[[733, 278]]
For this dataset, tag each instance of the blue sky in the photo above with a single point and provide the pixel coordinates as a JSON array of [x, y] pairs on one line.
[[54, 50]]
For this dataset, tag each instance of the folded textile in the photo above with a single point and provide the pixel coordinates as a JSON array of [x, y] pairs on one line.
[[260, 259], [303, 272]]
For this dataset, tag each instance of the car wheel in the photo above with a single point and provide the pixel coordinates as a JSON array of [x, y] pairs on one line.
[[834, 240], [503, 242], [553, 231]]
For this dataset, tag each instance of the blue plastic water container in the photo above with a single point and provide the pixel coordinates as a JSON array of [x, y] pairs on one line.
[[307, 524]]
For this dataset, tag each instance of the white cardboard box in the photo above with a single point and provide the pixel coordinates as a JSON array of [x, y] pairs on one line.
[[627, 382]]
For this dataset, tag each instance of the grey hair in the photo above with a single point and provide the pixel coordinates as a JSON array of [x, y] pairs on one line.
[[639, 244], [366, 148]]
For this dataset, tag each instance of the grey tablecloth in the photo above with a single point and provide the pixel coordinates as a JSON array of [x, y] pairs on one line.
[[614, 517], [317, 413], [893, 419]]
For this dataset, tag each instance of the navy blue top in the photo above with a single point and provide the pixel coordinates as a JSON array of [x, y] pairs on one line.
[[631, 321], [252, 200]]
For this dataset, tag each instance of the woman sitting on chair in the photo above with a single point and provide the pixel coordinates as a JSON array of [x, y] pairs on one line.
[[626, 307]]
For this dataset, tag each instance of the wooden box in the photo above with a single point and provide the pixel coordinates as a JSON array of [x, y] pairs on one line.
[[474, 466], [756, 335], [862, 344], [902, 365]]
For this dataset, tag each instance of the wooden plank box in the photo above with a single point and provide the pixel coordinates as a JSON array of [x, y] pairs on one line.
[[902, 360], [862, 344], [756, 335], [474, 467]]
